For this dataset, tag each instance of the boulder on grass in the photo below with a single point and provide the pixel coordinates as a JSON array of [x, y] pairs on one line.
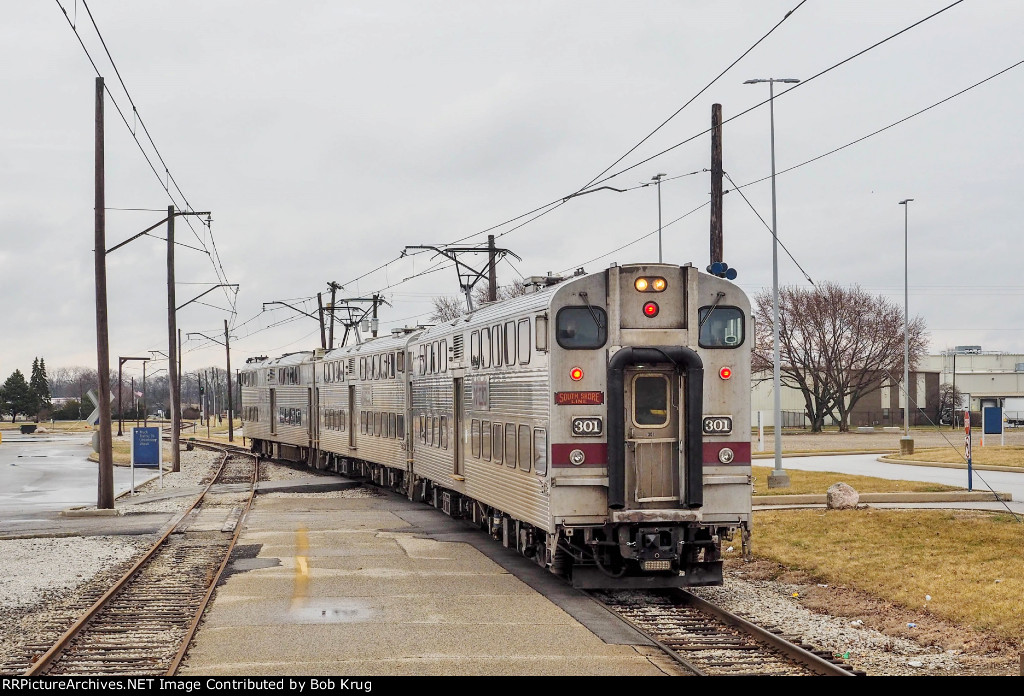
[[841, 496]]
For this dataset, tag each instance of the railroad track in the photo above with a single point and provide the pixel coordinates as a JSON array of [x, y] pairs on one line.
[[144, 623], [711, 641]]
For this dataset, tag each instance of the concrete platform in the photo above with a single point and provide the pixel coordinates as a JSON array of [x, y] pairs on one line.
[[378, 586]]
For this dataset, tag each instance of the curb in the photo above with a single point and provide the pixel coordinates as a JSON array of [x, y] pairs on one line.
[[820, 454], [938, 497], [951, 465], [104, 512]]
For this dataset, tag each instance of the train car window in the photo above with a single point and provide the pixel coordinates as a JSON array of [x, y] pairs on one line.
[[341, 421], [510, 445], [650, 401], [485, 441], [540, 326], [525, 455], [523, 341], [540, 451], [392, 426], [400, 425], [474, 349], [720, 327], [376, 423], [362, 368], [393, 363], [400, 361], [435, 440], [581, 327], [474, 438], [497, 350], [423, 428], [444, 432], [443, 357], [510, 343], [485, 347], [497, 441]]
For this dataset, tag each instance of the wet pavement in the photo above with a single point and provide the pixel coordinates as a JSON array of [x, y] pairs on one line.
[[42, 475]]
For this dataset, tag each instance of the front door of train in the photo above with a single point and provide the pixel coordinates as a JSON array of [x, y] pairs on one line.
[[652, 414]]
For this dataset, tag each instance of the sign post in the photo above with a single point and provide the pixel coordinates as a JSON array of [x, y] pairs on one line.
[[967, 448], [147, 452]]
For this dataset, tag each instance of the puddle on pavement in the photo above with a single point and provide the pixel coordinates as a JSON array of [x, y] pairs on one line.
[[328, 610]]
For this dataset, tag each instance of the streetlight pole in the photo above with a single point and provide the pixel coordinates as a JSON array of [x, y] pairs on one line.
[[907, 443], [778, 478], [657, 179]]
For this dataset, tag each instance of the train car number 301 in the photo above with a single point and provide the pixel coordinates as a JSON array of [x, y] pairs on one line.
[[585, 426], [717, 425]]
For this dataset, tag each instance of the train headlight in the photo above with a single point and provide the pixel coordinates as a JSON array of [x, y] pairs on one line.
[[655, 565], [726, 455], [576, 457], [576, 374], [651, 309], [650, 284]]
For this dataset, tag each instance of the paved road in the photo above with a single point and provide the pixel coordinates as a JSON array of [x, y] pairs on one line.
[[868, 465], [42, 475]]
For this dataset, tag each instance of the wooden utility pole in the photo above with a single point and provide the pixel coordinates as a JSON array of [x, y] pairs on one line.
[[323, 334], [231, 410], [373, 322], [334, 294], [105, 494], [492, 272], [716, 183], [172, 353]]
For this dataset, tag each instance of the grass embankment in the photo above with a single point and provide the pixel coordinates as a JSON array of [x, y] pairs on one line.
[[122, 454], [990, 455], [968, 562], [801, 482]]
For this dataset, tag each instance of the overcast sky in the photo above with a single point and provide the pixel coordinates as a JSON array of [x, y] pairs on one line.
[[326, 136]]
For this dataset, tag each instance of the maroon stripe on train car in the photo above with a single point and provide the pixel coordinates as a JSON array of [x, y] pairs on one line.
[[595, 453], [741, 450]]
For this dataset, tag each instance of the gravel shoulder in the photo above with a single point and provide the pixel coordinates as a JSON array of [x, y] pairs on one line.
[[869, 633]]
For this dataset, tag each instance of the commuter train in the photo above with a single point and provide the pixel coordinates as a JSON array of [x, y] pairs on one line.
[[599, 424]]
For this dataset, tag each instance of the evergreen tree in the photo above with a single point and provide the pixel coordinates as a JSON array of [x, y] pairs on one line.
[[39, 387], [15, 395]]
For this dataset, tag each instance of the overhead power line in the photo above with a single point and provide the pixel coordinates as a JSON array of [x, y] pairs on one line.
[[167, 179]]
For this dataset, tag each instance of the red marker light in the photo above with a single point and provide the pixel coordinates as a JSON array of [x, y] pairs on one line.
[[725, 373], [651, 309], [576, 374]]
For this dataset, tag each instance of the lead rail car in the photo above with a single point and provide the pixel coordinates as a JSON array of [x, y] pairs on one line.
[[600, 426]]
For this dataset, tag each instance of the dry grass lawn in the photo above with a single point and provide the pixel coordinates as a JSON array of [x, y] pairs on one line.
[[818, 482], [122, 454], [968, 562], [990, 455]]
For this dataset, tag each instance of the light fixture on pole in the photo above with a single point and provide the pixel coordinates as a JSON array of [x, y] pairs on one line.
[[778, 478], [906, 443], [657, 179]]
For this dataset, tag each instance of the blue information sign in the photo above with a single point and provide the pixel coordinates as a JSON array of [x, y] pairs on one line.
[[992, 417], [146, 449]]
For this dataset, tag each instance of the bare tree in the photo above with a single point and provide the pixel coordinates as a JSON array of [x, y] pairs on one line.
[[447, 308], [950, 402], [836, 345]]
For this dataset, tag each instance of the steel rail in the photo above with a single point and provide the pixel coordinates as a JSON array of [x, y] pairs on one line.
[[47, 658], [194, 626], [791, 650]]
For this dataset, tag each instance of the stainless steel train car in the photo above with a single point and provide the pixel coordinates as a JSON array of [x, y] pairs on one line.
[[599, 425]]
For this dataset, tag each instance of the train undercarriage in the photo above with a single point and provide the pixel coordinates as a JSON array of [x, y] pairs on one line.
[[595, 556]]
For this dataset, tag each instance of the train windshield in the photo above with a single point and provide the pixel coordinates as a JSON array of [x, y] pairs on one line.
[[720, 327], [581, 327]]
